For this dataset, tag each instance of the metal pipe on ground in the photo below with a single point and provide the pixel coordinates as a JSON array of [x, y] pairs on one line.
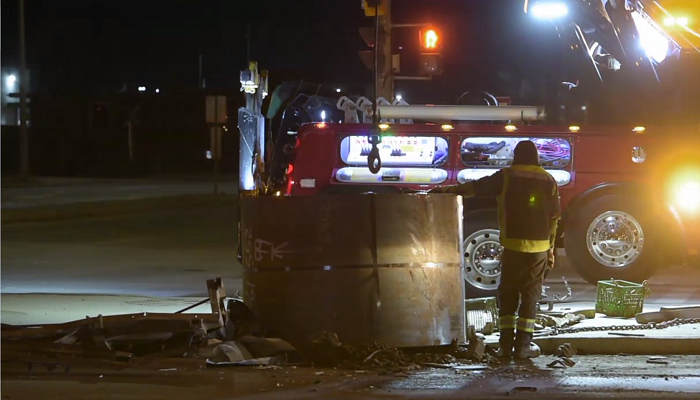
[[384, 268]]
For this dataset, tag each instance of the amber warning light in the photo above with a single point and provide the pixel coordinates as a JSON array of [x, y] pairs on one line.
[[430, 39]]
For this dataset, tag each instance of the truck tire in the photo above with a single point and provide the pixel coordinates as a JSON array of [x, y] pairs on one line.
[[611, 237], [482, 254]]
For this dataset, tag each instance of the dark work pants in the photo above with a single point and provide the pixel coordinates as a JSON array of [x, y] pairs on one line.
[[521, 282]]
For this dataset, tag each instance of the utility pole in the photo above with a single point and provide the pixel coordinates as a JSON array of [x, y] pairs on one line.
[[23, 132], [385, 77], [200, 81]]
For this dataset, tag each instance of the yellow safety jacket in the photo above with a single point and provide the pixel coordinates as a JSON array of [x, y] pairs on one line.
[[528, 205]]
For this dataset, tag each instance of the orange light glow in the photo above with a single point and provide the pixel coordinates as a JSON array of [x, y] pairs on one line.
[[321, 125], [430, 39]]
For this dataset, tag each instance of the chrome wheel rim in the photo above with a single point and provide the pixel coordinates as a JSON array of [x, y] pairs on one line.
[[615, 239], [482, 259]]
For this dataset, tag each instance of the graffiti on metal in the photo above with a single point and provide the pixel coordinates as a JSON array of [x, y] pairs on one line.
[[257, 250]]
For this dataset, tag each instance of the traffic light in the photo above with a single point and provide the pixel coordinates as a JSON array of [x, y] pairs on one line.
[[430, 51], [429, 40]]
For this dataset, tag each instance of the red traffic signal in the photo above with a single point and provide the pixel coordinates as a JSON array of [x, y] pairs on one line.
[[430, 40]]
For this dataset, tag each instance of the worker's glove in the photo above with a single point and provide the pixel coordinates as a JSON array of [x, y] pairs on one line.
[[551, 258]]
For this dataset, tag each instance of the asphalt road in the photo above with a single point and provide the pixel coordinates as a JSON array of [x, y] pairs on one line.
[[166, 253], [173, 252], [622, 377]]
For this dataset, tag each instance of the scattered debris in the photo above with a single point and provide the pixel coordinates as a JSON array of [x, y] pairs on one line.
[[589, 314], [325, 349], [562, 362], [566, 350], [470, 367], [657, 360], [519, 389], [431, 358], [229, 352], [556, 298], [626, 334], [479, 313], [668, 314], [116, 340], [240, 320], [567, 319], [476, 348], [269, 367]]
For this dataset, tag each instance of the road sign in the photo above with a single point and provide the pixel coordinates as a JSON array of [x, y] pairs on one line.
[[370, 7]]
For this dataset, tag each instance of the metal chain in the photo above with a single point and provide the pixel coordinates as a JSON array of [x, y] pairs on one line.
[[650, 325]]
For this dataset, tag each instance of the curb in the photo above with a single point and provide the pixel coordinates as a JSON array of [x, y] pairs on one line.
[[112, 207], [627, 345]]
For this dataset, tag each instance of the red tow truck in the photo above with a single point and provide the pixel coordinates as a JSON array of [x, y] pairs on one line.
[[630, 196], [630, 192]]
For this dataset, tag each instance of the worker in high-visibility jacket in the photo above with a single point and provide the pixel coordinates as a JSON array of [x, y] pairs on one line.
[[528, 214]]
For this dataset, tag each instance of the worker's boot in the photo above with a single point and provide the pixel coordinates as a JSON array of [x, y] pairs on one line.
[[524, 347], [506, 342]]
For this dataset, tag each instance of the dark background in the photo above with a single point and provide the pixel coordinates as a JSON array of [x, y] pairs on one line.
[[87, 56], [90, 46]]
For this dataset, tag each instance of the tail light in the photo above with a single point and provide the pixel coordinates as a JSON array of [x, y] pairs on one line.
[[290, 169]]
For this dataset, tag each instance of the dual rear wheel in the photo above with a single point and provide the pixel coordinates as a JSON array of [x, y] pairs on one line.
[[608, 237]]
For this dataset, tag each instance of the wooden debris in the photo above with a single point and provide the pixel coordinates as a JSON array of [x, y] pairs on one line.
[[113, 340]]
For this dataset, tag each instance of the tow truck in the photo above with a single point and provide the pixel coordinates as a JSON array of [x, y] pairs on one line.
[[630, 193]]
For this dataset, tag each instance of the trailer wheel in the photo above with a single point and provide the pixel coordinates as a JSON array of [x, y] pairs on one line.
[[482, 254], [611, 237]]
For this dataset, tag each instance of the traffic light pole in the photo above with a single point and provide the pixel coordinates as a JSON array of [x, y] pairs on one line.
[[23, 78], [381, 60], [385, 79]]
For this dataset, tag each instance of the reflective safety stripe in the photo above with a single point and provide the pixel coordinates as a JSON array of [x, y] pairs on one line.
[[526, 325], [507, 321]]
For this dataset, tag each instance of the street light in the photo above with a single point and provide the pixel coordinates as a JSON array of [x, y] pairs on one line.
[[10, 81], [549, 10]]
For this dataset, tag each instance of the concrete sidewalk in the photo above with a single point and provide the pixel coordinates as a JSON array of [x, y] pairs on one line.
[[681, 340], [43, 199], [36, 309]]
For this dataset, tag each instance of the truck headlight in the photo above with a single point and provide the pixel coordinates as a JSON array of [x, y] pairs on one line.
[[687, 196]]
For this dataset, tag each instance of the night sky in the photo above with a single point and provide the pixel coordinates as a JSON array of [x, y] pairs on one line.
[[99, 46]]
